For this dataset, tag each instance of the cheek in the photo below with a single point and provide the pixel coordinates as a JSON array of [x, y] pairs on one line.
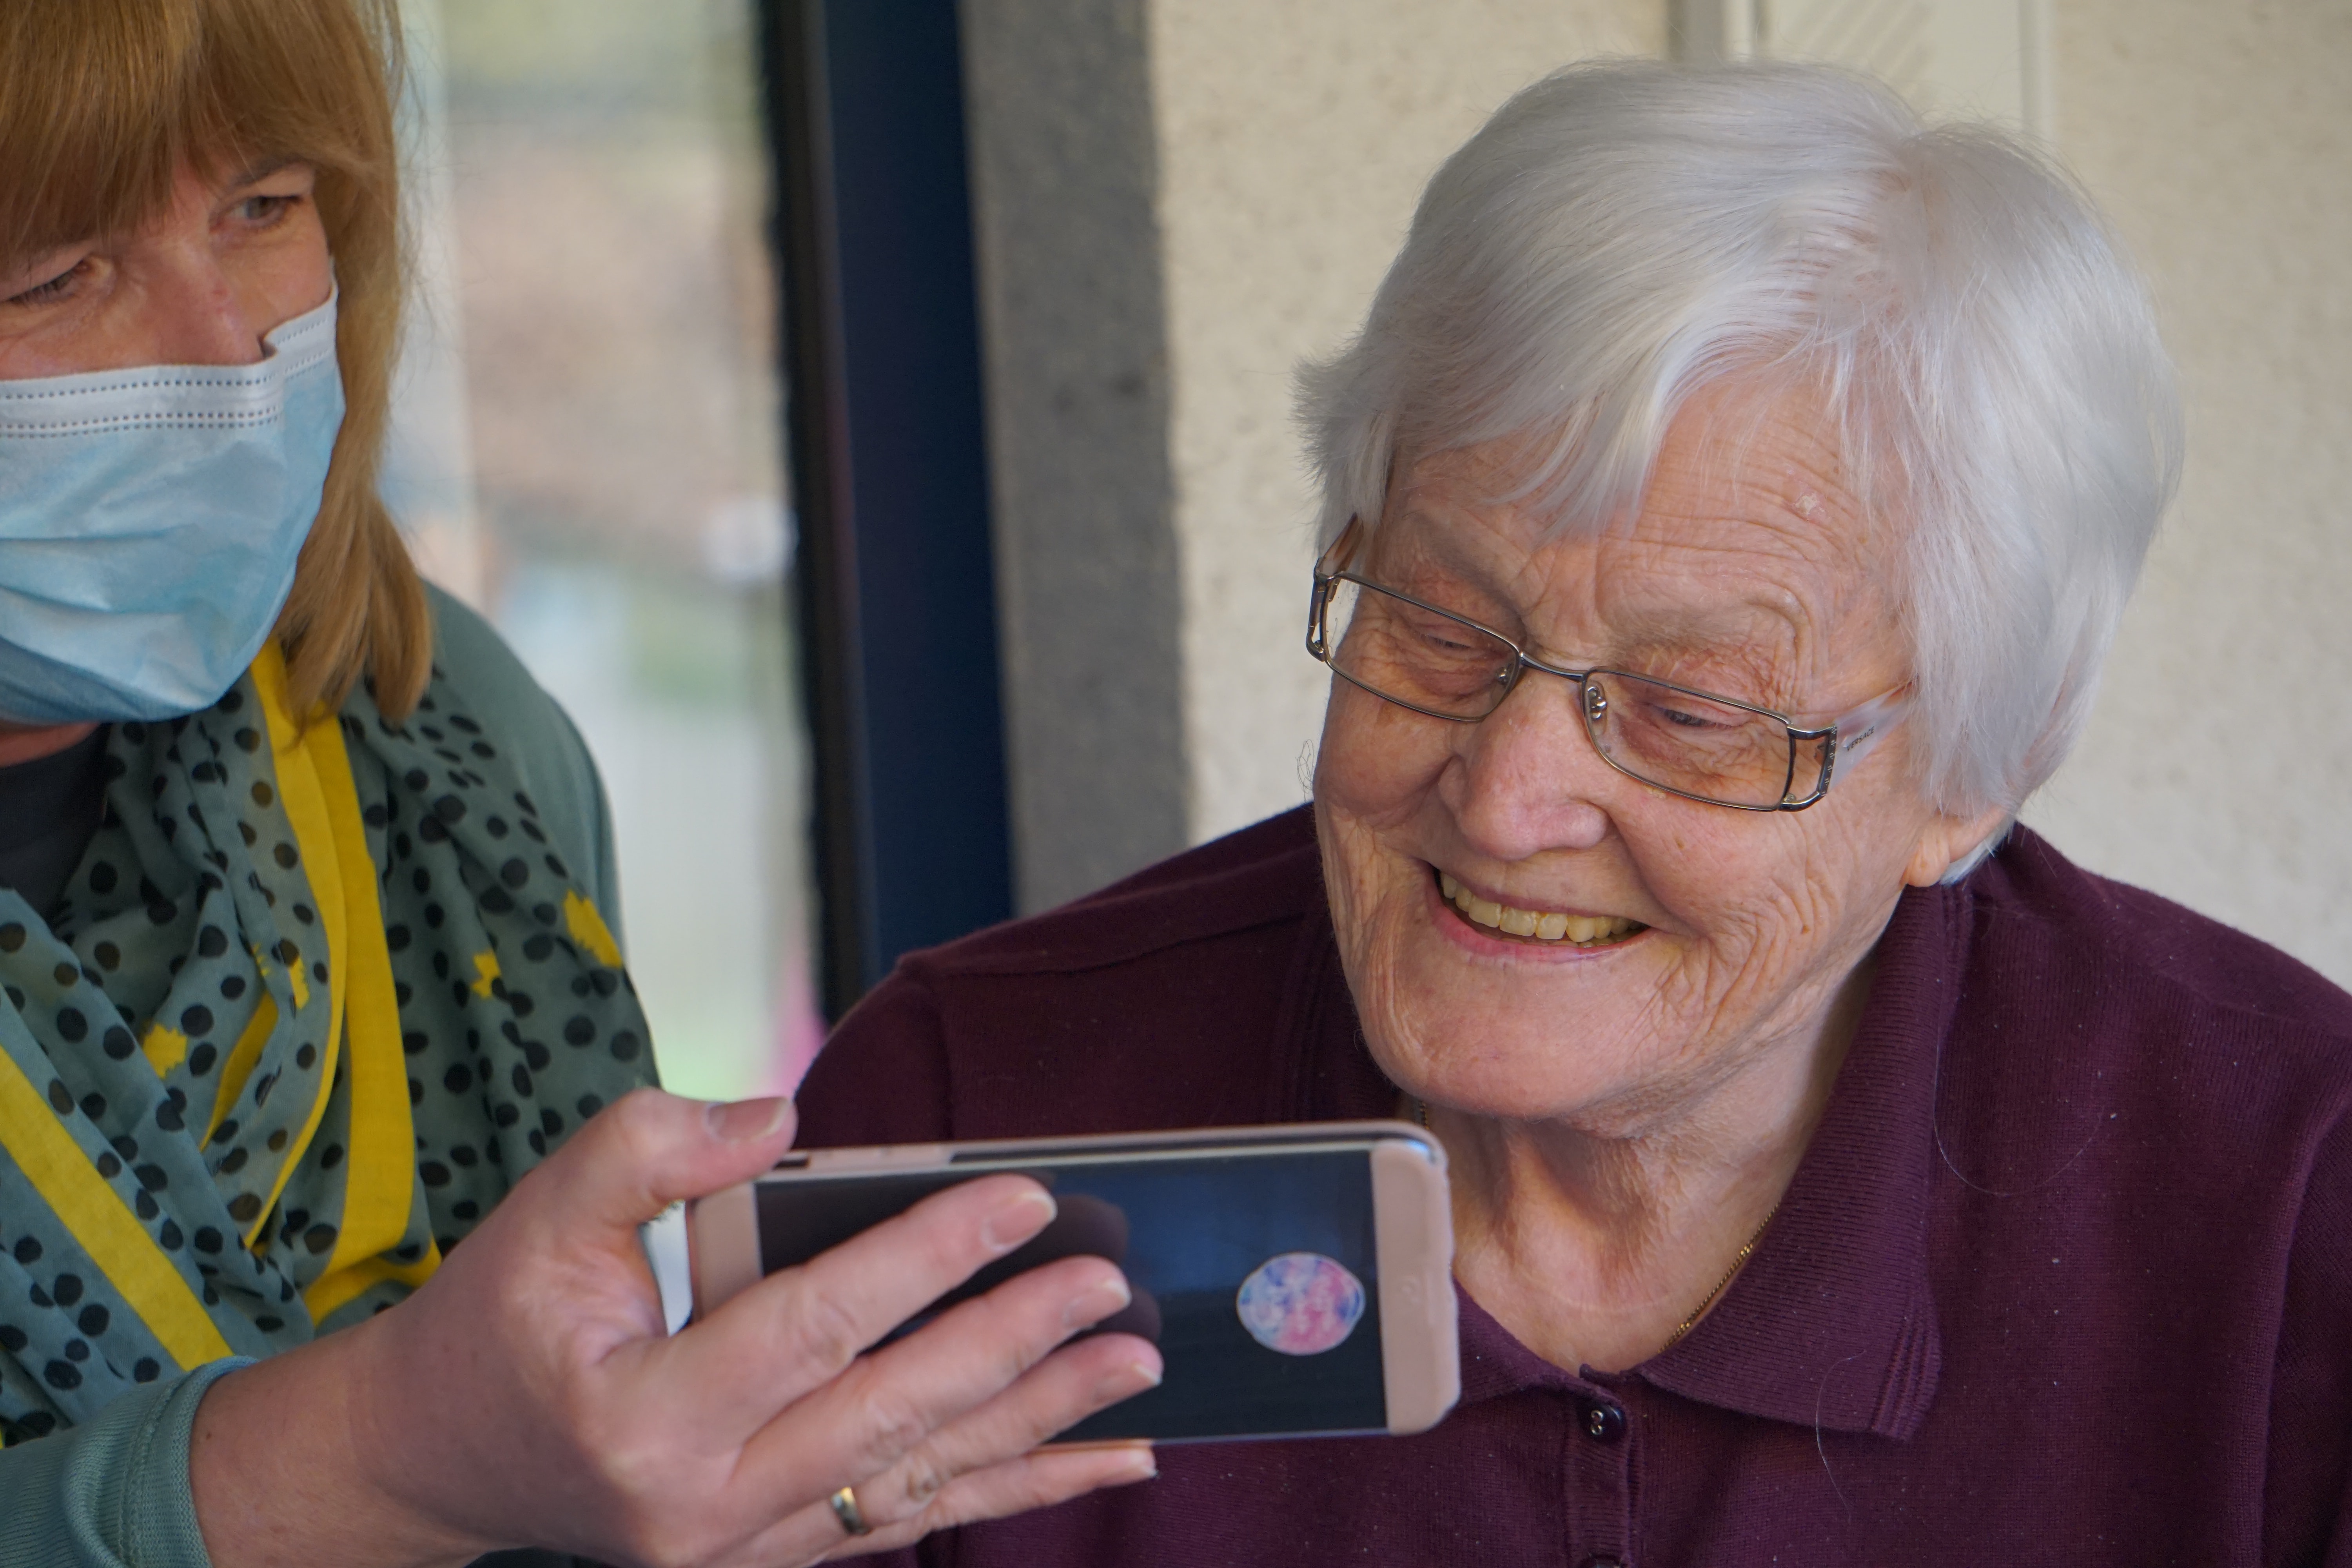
[[291, 273], [1374, 778], [1779, 902], [1376, 762]]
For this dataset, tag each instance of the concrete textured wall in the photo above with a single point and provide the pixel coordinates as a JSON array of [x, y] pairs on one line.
[[1293, 139], [2215, 770], [1063, 182], [1286, 146]]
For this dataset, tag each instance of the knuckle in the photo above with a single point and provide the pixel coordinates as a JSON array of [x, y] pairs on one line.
[[825, 1331], [1015, 1488], [926, 1476], [895, 1423], [637, 1117]]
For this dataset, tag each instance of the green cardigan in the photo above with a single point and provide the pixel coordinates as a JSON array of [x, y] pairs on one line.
[[115, 1490]]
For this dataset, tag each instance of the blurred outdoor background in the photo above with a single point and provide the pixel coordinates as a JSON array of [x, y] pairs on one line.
[[588, 452], [1171, 203]]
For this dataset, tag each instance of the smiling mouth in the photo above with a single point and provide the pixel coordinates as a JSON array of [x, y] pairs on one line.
[[1548, 927]]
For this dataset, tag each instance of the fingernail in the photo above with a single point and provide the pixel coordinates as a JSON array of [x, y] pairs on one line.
[[1017, 1219], [1145, 1466], [1096, 1303], [744, 1120], [1128, 1380]]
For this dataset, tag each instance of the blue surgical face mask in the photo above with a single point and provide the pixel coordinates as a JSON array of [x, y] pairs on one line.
[[150, 521]]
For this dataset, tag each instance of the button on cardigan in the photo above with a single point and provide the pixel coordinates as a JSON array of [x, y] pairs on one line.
[[2065, 1274]]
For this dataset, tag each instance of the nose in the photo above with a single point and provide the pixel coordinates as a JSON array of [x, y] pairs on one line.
[[1526, 779], [196, 314]]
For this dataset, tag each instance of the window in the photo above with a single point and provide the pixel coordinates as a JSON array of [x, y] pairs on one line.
[[586, 447]]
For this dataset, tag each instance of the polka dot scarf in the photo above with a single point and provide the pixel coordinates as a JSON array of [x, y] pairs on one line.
[[314, 998]]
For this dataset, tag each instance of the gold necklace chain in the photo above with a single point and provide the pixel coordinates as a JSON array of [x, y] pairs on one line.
[[1739, 1261]]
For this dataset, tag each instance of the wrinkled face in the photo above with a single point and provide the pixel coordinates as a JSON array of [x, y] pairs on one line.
[[1710, 935]]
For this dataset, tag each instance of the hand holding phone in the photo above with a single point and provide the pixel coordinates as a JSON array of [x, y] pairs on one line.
[[1297, 1279]]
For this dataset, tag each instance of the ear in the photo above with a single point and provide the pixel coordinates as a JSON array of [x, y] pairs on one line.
[[1947, 840]]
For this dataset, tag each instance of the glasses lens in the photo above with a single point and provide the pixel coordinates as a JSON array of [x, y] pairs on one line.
[[1414, 656], [1685, 743]]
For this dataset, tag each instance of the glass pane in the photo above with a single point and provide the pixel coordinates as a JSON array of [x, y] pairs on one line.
[[587, 449], [1688, 742], [1417, 656]]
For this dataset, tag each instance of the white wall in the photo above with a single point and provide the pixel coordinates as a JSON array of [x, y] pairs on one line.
[[1294, 139], [2218, 769]]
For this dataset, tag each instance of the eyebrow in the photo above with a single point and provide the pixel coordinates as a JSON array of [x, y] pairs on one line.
[[1750, 633], [257, 172]]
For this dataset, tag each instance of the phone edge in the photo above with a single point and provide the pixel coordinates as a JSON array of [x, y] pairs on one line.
[[722, 1246], [864, 1159], [1420, 1354]]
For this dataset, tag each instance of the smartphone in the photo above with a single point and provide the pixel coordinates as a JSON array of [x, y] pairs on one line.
[[1297, 1280]]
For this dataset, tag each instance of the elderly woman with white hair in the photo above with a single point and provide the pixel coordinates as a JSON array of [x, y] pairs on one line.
[[1728, 505]]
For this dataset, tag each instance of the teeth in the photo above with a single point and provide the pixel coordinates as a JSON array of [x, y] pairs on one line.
[[1582, 929]]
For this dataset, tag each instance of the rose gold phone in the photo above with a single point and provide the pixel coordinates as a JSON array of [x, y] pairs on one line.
[[1297, 1280]]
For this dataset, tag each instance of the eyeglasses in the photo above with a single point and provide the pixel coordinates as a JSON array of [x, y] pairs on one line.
[[1692, 743]]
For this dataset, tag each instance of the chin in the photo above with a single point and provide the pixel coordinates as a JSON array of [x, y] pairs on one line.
[[1460, 1019]]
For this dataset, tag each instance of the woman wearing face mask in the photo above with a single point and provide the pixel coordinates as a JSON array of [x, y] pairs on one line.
[[306, 966]]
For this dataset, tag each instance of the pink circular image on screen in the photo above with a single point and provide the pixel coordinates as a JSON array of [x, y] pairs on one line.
[[1300, 1303]]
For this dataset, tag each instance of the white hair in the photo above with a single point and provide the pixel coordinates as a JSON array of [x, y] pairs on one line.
[[1621, 234]]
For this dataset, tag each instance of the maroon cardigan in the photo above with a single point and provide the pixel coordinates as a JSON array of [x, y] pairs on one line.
[[2064, 1277]]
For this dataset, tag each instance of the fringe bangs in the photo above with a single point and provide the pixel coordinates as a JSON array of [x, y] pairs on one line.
[[103, 102]]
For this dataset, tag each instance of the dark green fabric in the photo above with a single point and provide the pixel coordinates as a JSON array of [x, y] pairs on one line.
[[482, 813], [542, 746], [112, 1494], [48, 808]]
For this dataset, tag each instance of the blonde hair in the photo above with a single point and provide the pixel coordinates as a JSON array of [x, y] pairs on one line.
[[103, 102]]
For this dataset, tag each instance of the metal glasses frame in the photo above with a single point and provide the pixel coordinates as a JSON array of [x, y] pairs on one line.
[[1867, 721]]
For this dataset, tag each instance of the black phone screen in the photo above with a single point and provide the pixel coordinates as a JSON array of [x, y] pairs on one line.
[[1255, 1272]]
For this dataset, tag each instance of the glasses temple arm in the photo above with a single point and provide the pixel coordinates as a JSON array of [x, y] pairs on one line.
[[1859, 729]]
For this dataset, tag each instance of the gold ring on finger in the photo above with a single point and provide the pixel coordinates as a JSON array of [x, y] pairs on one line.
[[846, 1509]]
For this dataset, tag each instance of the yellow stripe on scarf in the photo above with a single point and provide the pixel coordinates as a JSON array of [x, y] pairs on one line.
[[294, 748], [314, 780], [243, 1058], [102, 1223]]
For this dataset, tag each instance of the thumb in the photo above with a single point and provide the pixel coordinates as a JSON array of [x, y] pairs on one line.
[[649, 1150]]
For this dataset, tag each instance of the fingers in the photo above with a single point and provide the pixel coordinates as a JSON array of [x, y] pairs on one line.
[[1017, 1485], [890, 1403], [981, 1467], [649, 1150], [1062, 1391], [799, 1328], [1014, 1486], [814, 1533]]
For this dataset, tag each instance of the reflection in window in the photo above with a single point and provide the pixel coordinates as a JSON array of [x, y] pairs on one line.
[[586, 448]]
